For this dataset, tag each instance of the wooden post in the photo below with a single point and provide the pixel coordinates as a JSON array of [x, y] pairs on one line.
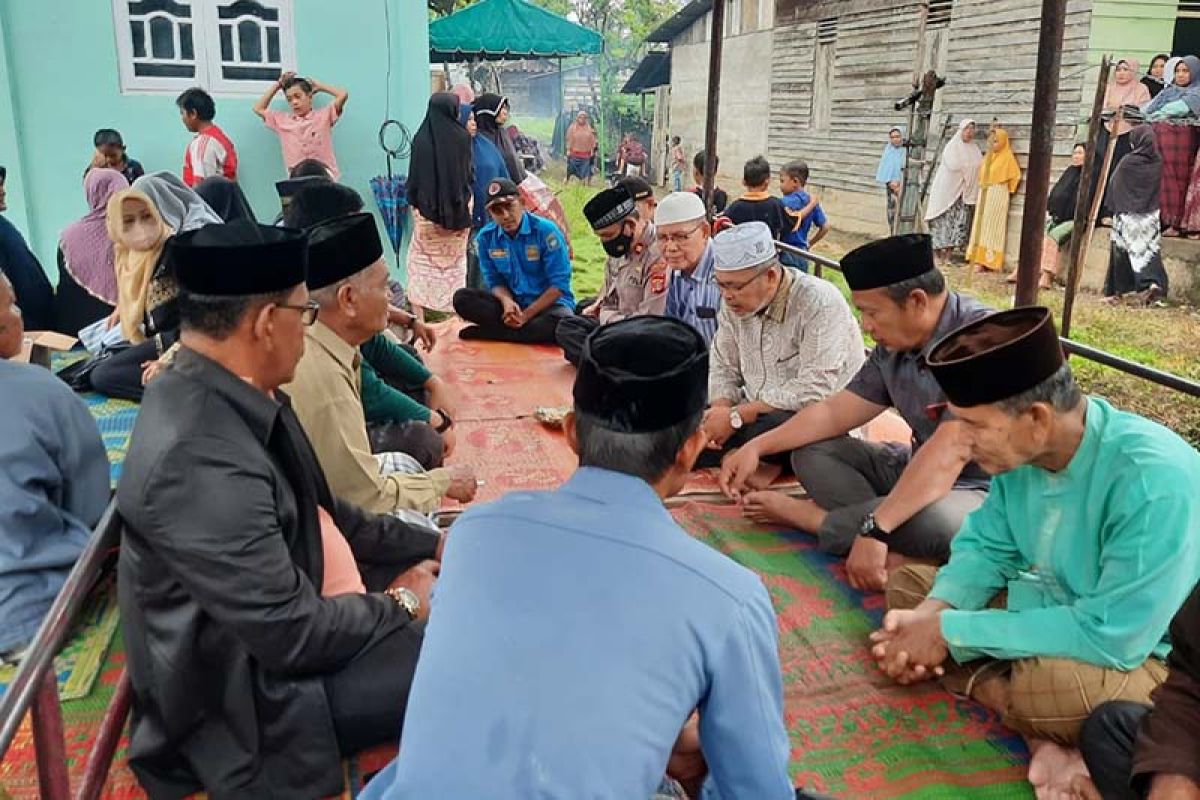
[[49, 746], [714, 101], [1041, 150], [1077, 251]]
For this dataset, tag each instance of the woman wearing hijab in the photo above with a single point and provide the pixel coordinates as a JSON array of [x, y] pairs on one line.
[[998, 179], [890, 171], [180, 206], [32, 288], [1125, 90], [439, 192], [489, 165], [225, 197], [491, 112], [87, 282], [1177, 144], [1135, 255], [1153, 79], [1060, 218], [953, 192]]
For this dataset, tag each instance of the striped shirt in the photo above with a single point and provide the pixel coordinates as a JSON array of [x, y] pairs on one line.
[[694, 297], [210, 154]]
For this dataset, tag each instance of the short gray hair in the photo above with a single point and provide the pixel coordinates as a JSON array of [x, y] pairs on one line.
[[643, 455], [326, 296], [932, 283], [1059, 390]]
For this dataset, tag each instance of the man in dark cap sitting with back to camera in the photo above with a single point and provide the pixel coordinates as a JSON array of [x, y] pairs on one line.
[[626, 624], [246, 681], [878, 504], [1060, 588], [635, 274], [525, 264]]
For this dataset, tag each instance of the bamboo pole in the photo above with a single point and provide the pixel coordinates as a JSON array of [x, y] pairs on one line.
[[715, 50]]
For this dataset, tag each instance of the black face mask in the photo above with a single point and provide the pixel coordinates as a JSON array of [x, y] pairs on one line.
[[618, 246]]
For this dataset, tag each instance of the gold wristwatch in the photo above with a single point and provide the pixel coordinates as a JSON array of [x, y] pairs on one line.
[[406, 599]]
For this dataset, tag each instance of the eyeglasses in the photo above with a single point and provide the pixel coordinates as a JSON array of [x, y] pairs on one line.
[[737, 287], [679, 238], [308, 311]]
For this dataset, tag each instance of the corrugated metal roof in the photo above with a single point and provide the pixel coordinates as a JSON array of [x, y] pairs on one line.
[[654, 70], [680, 22]]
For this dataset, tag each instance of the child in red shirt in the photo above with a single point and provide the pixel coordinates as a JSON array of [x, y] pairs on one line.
[[211, 152]]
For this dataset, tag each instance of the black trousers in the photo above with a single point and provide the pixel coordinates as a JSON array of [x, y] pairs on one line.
[[120, 375], [1107, 742], [571, 334], [417, 439], [766, 422], [369, 696], [484, 310]]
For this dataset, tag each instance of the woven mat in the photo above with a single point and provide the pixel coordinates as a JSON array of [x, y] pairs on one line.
[[114, 418]]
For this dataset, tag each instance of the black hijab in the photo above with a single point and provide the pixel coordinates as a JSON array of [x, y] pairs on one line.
[[441, 167], [1061, 203], [226, 198], [1135, 182], [487, 109]]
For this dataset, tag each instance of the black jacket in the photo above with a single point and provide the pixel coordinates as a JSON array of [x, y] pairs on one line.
[[227, 636]]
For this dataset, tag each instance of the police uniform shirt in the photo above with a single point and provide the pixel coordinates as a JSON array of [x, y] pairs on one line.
[[635, 284]]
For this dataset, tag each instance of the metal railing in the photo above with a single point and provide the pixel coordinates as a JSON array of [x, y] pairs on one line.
[[34, 689], [1103, 357]]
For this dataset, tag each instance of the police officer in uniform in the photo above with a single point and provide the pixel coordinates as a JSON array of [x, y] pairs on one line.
[[635, 274], [524, 261]]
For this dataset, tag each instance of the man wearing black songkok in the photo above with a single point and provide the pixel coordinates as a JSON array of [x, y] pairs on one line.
[[247, 682], [879, 504], [535, 573]]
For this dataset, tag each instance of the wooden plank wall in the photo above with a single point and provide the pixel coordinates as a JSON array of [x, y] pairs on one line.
[[990, 69]]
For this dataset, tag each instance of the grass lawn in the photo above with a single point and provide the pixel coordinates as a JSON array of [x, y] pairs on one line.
[[1165, 338]]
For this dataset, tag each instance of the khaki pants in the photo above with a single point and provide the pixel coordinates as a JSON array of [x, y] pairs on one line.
[[1048, 698]]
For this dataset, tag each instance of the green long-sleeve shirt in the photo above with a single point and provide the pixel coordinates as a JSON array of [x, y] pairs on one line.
[[1096, 558], [381, 402]]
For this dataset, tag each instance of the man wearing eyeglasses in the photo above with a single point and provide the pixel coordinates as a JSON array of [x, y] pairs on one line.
[[248, 679], [684, 237], [784, 340], [348, 278]]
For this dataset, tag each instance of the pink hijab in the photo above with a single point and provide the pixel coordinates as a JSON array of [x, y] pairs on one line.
[[464, 93], [87, 250]]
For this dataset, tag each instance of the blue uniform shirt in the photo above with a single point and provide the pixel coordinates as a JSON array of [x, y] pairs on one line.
[[53, 488], [529, 263], [794, 202], [572, 634], [695, 298]]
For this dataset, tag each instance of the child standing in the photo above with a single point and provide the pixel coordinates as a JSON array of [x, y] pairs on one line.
[[757, 203], [678, 162], [804, 210], [720, 196], [211, 153], [306, 132]]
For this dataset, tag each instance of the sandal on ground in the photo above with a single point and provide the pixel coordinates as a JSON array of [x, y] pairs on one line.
[[1150, 296], [1171, 233]]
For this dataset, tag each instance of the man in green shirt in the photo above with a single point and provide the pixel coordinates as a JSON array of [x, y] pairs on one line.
[[1060, 588]]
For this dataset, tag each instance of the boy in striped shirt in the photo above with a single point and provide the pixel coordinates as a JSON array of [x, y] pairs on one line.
[[211, 153]]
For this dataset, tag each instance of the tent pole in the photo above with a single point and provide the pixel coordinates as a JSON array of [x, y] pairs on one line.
[[600, 110], [714, 99]]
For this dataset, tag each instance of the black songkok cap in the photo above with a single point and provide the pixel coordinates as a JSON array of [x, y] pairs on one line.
[[997, 357], [888, 261], [609, 207], [642, 374], [639, 189], [238, 259], [341, 247], [501, 189]]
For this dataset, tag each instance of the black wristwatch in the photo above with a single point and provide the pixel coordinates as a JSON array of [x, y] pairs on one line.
[[870, 528], [447, 423]]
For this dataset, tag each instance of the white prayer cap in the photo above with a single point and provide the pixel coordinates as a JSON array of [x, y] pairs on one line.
[[679, 207], [743, 246]]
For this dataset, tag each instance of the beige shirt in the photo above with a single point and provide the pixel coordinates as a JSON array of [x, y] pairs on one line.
[[327, 397], [636, 284], [803, 347]]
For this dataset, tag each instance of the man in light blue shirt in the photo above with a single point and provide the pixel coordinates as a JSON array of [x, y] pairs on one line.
[[54, 485], [574, 632], [685, 238], [1060, 587]]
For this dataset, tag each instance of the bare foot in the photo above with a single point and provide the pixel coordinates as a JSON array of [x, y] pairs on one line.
[[1084, 788], [764, 476], [1053, 768], [779, 509]]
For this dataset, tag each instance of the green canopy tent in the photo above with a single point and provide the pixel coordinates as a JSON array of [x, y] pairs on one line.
[[492, 30]]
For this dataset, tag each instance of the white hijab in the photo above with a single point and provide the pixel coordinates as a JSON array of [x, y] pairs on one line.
[[957, 175]]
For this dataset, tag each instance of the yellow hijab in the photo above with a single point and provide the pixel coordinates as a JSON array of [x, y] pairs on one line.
[[1000, 165], [134, 268]]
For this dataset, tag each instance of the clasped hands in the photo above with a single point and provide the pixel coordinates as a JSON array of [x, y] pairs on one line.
[[910, 647]]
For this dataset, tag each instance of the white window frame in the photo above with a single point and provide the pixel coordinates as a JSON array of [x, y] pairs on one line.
[[206, 50]]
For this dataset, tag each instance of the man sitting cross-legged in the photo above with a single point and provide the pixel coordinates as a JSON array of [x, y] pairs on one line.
[[576, 631], [348, 278], [784, 340], [247, 682], [524, 262], [879, 504], [1059, 589]]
